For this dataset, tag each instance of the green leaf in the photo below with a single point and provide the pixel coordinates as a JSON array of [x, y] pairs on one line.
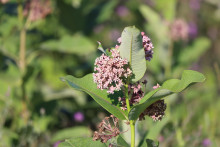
[[106, 11], [100, 47], [122, 142], [86, 84], [71, 133], [151, 143], [154, 131], [131, 48], [169, 87], [76, 44], [155, 25], [81, 142], [169, 12], [194, 52]]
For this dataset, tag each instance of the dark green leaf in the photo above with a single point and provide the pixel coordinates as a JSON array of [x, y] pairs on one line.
[[192, 53], [151, 143], [121, 142], [154, 131], [169, 87], [81, 142], [71, 133], [77, 44], [86, 84]]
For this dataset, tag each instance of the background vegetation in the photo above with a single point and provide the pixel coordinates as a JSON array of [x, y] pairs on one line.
[[37, 109]]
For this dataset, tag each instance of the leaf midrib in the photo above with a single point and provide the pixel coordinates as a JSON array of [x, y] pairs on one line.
[[131, 49]]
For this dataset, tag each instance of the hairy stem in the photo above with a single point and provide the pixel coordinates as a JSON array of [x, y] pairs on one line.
[[132, 123]]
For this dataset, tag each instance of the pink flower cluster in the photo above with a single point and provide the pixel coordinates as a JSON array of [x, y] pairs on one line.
[[148, 45], [179, 30], [106, 130], [110, 71], [4, 1], [37, 9], [135, 93]]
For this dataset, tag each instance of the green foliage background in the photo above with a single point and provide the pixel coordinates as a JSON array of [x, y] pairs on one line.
[[65, 42]]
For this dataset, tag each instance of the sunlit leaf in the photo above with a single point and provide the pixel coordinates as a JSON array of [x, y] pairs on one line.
[[77, 44], [86, 84], [131, 48], [169, 87]]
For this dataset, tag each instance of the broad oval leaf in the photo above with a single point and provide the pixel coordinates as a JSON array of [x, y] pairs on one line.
[[169, 87], [73, 132], [81, 142], [76, 44], [87, 85], [131, 48]]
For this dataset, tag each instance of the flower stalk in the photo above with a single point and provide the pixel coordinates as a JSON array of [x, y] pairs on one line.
[[132, 123]]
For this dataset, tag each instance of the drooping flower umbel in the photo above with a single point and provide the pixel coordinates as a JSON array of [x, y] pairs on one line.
[[156, 110], [110, 71], [107, 130]]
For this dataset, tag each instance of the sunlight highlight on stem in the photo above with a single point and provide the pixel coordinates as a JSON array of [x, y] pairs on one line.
[[132, 123]]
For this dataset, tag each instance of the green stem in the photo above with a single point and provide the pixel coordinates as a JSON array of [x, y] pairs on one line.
[[22, 59], [132, 123]]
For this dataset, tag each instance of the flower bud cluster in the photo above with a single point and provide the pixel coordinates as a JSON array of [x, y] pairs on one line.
[[147, 44], [147, 47], [110, 71], [106, 130], [156, 111], [135, 93]]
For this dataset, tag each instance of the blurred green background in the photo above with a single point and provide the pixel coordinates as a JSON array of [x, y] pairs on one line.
[[42, 40]]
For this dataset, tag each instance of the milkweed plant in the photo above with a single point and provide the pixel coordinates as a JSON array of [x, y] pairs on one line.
[[117, 85]]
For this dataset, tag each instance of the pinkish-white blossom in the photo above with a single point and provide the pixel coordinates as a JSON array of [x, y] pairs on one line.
[[179, 30], [109, 71], [4, 1]]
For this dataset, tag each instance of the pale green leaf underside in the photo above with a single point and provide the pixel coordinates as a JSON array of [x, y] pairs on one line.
[[81, 142], [73, 132], [131, 48], [169, 87], [87, 85]]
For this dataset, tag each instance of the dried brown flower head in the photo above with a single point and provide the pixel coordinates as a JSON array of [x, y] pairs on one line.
[[106, 130]]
